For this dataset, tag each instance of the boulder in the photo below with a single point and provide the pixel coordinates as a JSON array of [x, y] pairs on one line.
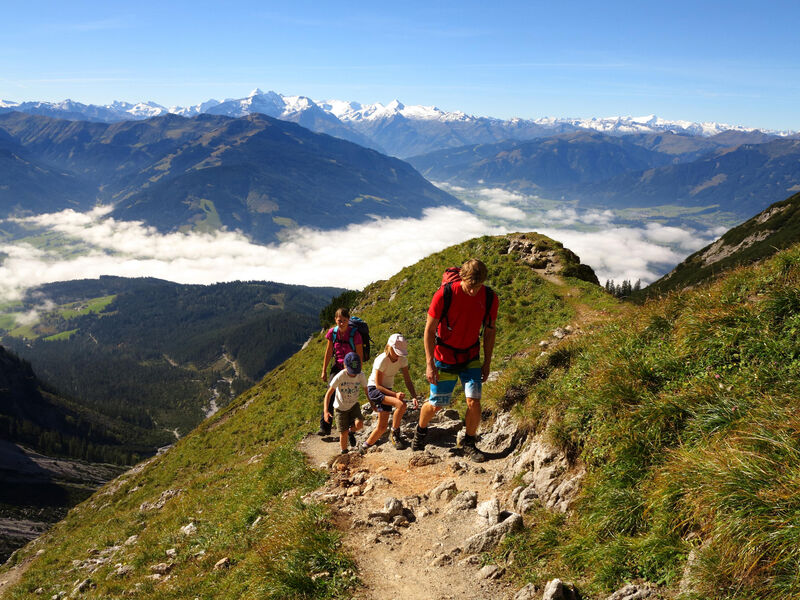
[[503, 436], [463, 501], [489, 512], [446, 490], [559, 590], [481, 542]]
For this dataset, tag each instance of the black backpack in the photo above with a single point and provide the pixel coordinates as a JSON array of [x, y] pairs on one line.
[[361, 327]]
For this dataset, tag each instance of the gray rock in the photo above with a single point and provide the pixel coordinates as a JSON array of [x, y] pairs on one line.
[[489, 512], [480, 542], [529, 592], [559, 590], [444, 559], [463, 501], [634, 592], [527, 499], [560, 333], [222, 563], [502, 436], [82, 587], [376, 481], [515, 494], [159, 503], [548, 472], [189, 529], [161, 568], [446, 490], [120, 572], [393, 507], [491, 572]]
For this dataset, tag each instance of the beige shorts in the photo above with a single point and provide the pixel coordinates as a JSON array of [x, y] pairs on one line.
[[346, 418]]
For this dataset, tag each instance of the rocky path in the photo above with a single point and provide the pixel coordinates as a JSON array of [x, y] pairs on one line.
[[419, 524]]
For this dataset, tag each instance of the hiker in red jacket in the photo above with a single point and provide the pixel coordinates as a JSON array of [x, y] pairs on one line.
[[458, 311]]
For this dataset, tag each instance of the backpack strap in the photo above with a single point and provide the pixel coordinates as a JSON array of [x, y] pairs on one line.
[[335, 331], [447, 297], [489, 302], [353, 331]]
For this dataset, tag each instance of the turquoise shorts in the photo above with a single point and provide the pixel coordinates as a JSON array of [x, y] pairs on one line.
[[471, 377]]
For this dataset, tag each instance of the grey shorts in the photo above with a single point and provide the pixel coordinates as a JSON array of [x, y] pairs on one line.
[[346, 418]]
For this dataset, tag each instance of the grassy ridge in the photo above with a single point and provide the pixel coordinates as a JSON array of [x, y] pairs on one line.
[[241, 464], [685, 414]]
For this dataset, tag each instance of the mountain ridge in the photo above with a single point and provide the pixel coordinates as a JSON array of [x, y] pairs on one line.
[[371, 124]]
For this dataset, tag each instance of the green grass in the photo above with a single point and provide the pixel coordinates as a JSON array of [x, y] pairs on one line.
[[77, 309], [64, 335], [684, 413]]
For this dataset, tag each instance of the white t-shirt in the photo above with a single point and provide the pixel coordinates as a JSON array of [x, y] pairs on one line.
[[347, 389], [389, 369]]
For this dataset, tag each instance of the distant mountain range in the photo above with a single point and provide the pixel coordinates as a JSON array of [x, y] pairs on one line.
[[642, 170], [255, 173], [394, 128]]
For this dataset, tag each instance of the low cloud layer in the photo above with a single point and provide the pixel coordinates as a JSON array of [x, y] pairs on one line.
[[351, 257]]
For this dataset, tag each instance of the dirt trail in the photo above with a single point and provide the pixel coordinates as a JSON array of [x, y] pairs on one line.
[[416, 561]]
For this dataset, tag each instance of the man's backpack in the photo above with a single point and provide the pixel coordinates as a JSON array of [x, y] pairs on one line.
[[356, 324], [451, 277]]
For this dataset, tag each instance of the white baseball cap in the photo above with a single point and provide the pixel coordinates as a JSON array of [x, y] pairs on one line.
[[398, 344]]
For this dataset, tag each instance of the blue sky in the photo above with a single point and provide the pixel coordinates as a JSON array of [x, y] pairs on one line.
[[735, 62]]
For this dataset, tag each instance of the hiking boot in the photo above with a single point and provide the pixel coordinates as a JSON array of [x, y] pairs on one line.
[[352, 438], [470, 451], [322, 432], [345, 451], [418, 443], [397, 440]]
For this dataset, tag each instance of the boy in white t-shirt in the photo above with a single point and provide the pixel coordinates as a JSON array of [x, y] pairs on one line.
[[347, 384], [379, 391]]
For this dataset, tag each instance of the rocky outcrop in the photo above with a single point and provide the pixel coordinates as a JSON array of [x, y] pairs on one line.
[[549, 477]]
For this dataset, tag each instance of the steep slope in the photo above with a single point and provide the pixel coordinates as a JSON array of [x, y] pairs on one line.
[[236, 481], [30, 185], [260, 175], [684, 414], [33, 414], [773, 229], [41, 436]]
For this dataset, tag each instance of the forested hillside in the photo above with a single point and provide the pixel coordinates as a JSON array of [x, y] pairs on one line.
[[158, 356]]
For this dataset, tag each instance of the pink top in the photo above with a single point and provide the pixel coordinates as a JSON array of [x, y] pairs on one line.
[[342, 344]]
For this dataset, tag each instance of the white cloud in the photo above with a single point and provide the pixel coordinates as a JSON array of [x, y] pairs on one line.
[[497, 202], [620, 253], [350, 257]]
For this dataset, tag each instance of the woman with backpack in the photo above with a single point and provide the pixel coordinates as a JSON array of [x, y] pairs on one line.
[[342, 339]]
